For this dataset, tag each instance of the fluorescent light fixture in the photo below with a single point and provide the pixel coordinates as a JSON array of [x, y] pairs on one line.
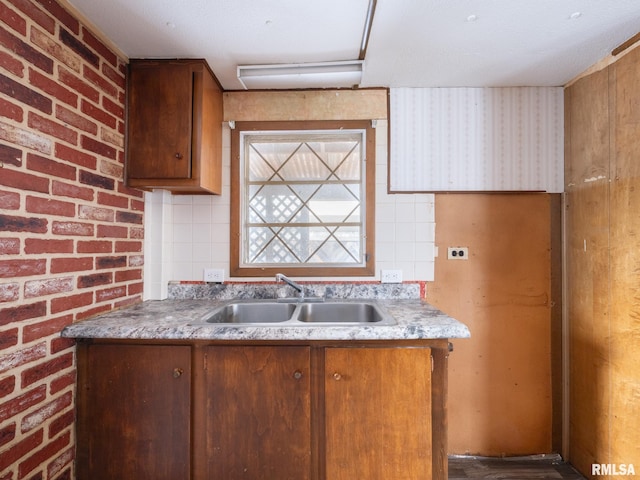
[[301, 75]]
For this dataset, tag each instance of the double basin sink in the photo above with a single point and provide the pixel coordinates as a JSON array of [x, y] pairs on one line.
[[299, 313]]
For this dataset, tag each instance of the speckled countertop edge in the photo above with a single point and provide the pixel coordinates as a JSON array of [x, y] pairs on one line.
[[182, 320]]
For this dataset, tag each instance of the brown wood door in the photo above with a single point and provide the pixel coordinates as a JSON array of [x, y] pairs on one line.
[[160, 118], [134, 412], [258, 413], [378, 413]]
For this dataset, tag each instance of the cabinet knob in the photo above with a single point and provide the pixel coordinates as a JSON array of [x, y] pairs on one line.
[[337, 376], [178, 155], [297, 374], [177, 372]]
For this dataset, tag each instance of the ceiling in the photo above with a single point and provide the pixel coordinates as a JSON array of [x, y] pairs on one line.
[[413, 43]]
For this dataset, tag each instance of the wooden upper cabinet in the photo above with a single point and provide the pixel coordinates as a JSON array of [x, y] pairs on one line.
[[174, 126]]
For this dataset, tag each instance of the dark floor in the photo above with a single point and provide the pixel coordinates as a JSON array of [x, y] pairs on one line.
[[520, 468]]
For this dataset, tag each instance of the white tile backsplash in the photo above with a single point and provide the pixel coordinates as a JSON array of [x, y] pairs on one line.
[[385, 253], [405, 212], [203, 233], [182, 233], [405, 252], [424, 251], [187, 271], [424, 231], [385, 233], [423, 269], [183, 253], [202, 254], [202, 199], [405, 232], [182, 213], [220, 257], [202, 214]]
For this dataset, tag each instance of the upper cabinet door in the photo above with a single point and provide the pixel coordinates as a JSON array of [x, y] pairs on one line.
[[160, 120], [174, 126]]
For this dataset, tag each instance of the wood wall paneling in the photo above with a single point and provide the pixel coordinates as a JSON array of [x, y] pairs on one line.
[[603, 261], [587, 131], [500, 379], [361, 104], [587, 237], [625, 261]]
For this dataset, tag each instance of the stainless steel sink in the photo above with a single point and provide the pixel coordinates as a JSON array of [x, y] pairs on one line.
[[271, 312], [341, 313], [299, 313]]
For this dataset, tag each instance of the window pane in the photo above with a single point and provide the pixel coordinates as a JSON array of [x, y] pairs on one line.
[[343, 246], [303, 198], [273, 204]]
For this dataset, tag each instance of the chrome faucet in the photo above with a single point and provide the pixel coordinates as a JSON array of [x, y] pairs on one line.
[[283, 278]]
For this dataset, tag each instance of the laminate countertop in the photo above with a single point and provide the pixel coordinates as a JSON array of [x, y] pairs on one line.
[[184, 319]]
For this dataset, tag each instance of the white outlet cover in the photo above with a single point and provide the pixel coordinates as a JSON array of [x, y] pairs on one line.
[[213, 275], [458, 253], [391, 276]]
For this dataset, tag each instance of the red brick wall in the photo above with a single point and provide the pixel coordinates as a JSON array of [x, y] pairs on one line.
[[70, 232]]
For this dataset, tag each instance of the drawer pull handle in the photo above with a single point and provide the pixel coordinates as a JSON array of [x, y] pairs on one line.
[[297, 374], [177, 372], [337, 376], [178, 155]]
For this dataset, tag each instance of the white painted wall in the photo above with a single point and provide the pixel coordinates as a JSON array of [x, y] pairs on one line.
[[158, 244]]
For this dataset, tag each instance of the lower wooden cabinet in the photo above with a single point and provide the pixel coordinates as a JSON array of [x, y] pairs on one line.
[[134, 412], [378, 413], [262, 412], [258, 414]]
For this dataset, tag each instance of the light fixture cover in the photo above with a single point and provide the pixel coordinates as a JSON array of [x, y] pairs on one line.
[[301, 75]]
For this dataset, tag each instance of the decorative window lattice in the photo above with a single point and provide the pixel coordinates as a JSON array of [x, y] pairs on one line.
[[302, 198]]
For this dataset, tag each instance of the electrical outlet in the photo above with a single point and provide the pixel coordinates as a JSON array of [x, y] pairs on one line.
[[214, 275], [457, 253], [391, 276]]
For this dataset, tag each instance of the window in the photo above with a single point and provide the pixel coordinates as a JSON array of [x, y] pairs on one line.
[[302, 198]]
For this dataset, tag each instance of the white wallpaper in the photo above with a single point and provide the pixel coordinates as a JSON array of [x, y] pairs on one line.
[[477, 139]]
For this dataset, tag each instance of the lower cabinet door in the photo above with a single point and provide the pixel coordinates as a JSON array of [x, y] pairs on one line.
[[258, 415], [134, 412], [378, 413]]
